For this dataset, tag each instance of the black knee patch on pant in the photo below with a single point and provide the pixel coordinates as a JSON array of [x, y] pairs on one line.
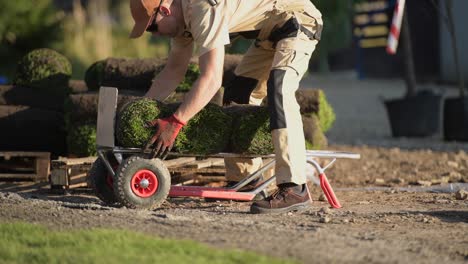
[[275, 99], [239, 90]]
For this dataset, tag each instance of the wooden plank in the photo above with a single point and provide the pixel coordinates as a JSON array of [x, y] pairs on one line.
[[78, 185], [205, 163], [78, 176], [59, 177], [178, 162], [71, 162], [209, 170], [107, 108], [9, 154], [42, 168], [17, 175], [40, 165]]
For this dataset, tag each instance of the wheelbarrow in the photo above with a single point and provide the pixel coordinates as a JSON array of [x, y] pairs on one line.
[[126, 176]]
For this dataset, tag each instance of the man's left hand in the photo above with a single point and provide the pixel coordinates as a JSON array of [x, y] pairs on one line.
[[163, 139]]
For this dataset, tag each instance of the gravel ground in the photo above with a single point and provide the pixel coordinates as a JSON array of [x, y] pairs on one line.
[[404, 201]]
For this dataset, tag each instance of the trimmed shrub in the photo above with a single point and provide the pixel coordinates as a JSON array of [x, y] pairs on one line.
[[44, 69], [81, 140], [326, 115]]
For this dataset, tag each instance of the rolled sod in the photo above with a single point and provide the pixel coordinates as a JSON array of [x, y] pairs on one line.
[[84, 106], [251, 130], [193, 71], [123, 73], [314, 137], [206, 133], [230, 63], [133, 74], [314, 101], [18, 95], [44, 69], [131, 130], [27, 128], [308, 100]]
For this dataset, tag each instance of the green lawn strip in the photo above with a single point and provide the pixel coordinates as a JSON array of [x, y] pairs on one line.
[[28, 243]]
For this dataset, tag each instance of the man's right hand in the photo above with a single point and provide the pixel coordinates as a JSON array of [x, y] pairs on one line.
[[163, 139]]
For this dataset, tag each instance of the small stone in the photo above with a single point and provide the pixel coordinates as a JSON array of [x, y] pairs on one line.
[[352, 220], [364, 202], [454, 176], [345, 221], [424, 183], [398, 181], [290, 213], [325, 210], [322, 198], [325, 219], [461, 195], [441, 180], [425, 220], [452, 164], [442, 201], [379, 181]]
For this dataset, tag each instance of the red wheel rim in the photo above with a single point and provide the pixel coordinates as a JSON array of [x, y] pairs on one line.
[[144, 183]]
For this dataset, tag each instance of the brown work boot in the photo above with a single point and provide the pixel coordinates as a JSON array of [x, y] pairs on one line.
[[285, 199]]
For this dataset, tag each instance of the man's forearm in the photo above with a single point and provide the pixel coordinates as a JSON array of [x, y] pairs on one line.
[[165, 83], [173, 73], [199, 96], [211, 66]]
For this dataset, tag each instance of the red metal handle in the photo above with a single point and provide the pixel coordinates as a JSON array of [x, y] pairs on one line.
[[328, 191]]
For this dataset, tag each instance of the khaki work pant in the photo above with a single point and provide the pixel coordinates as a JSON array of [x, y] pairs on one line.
[[278, 68]]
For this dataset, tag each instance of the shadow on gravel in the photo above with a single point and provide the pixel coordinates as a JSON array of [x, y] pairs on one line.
[[446, 216]]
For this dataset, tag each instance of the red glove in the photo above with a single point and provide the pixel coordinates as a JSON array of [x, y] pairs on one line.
[[163, 139]]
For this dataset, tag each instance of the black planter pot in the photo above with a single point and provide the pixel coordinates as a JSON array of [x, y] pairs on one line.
[[456, 119], [415, 116]]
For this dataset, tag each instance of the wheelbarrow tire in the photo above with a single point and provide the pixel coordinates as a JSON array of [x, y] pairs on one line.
[[101, 182], [142, 183]]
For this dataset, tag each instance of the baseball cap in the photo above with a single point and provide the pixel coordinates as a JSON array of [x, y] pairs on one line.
[[142, 12]]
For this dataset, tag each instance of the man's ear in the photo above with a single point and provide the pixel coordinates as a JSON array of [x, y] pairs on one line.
[[165, 11]]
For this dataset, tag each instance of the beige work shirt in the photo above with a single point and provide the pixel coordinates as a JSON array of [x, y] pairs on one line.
[[209, 26]]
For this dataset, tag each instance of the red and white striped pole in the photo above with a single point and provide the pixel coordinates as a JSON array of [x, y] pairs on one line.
[[395, 29]]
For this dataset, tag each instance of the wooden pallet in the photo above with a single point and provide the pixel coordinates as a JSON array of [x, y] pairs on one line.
[[24, 165], [70, 173], [190, 171]]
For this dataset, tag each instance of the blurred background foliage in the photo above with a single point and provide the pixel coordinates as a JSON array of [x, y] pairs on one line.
[[87, 31]]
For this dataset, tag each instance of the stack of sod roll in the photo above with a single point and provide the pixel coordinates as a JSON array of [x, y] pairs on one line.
[[31, 109]]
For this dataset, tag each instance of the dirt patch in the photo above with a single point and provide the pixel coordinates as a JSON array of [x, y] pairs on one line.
[[388, 226]]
